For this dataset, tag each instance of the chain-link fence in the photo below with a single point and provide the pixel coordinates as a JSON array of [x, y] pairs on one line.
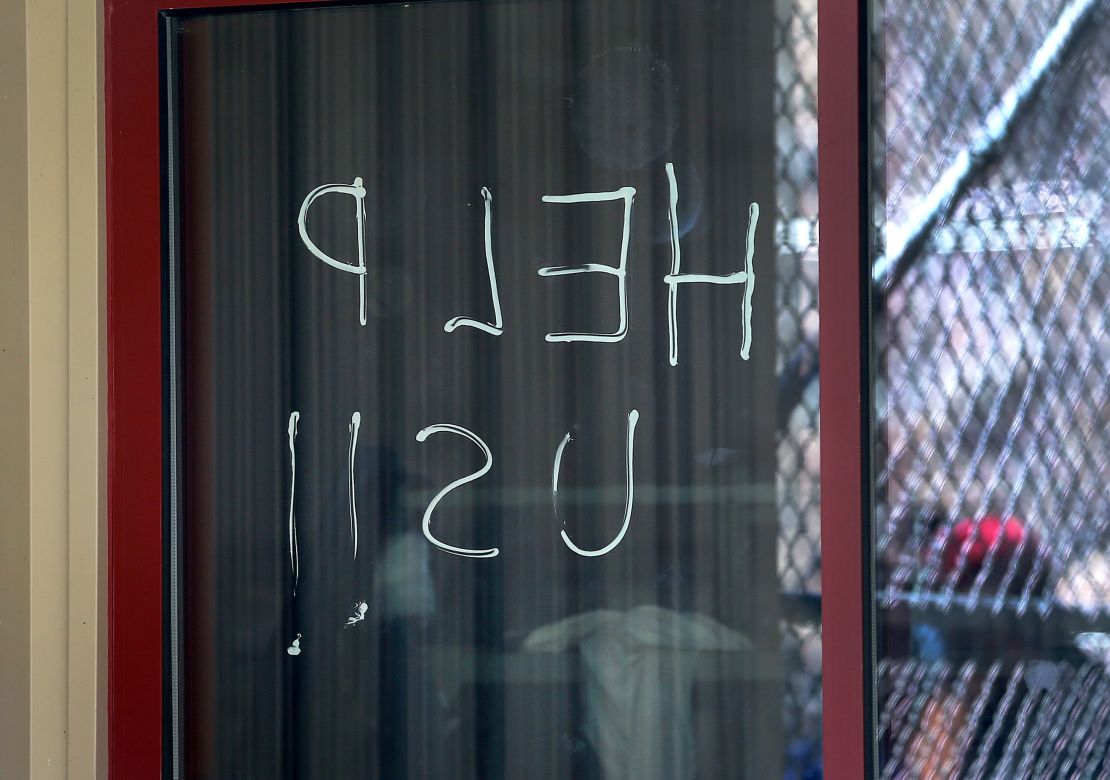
[[796, 311], [993, 352], [992, 290], [993, 378]]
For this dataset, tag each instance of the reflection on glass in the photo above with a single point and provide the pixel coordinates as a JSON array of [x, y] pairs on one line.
[[485, 404]]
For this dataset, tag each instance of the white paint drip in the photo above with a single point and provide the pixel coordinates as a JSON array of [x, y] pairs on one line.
[[357, 191], [294, 556], [555, 474], [356, 420], [359, 615], [496, 328], [633, 418], [676, 264], [675, 278], [427, 523], [295, 648], [749, 288], [627, 194]]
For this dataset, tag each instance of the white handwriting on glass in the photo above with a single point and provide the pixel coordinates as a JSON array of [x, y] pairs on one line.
[[673, 281], [627, 196], [476, 440]]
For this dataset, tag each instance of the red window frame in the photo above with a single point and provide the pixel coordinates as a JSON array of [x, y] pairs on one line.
[[135, 382]]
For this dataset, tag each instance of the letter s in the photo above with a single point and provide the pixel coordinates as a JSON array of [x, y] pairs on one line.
[[427, 524]]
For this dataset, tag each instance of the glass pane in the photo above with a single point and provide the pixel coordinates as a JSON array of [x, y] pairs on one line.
[[992, 287], [493, 388]]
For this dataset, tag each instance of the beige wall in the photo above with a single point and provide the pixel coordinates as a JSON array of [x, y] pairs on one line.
[[14, 394], [52, 574]]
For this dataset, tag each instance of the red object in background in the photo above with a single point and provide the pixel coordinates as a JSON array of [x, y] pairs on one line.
[[975, 539], [993, 542]]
